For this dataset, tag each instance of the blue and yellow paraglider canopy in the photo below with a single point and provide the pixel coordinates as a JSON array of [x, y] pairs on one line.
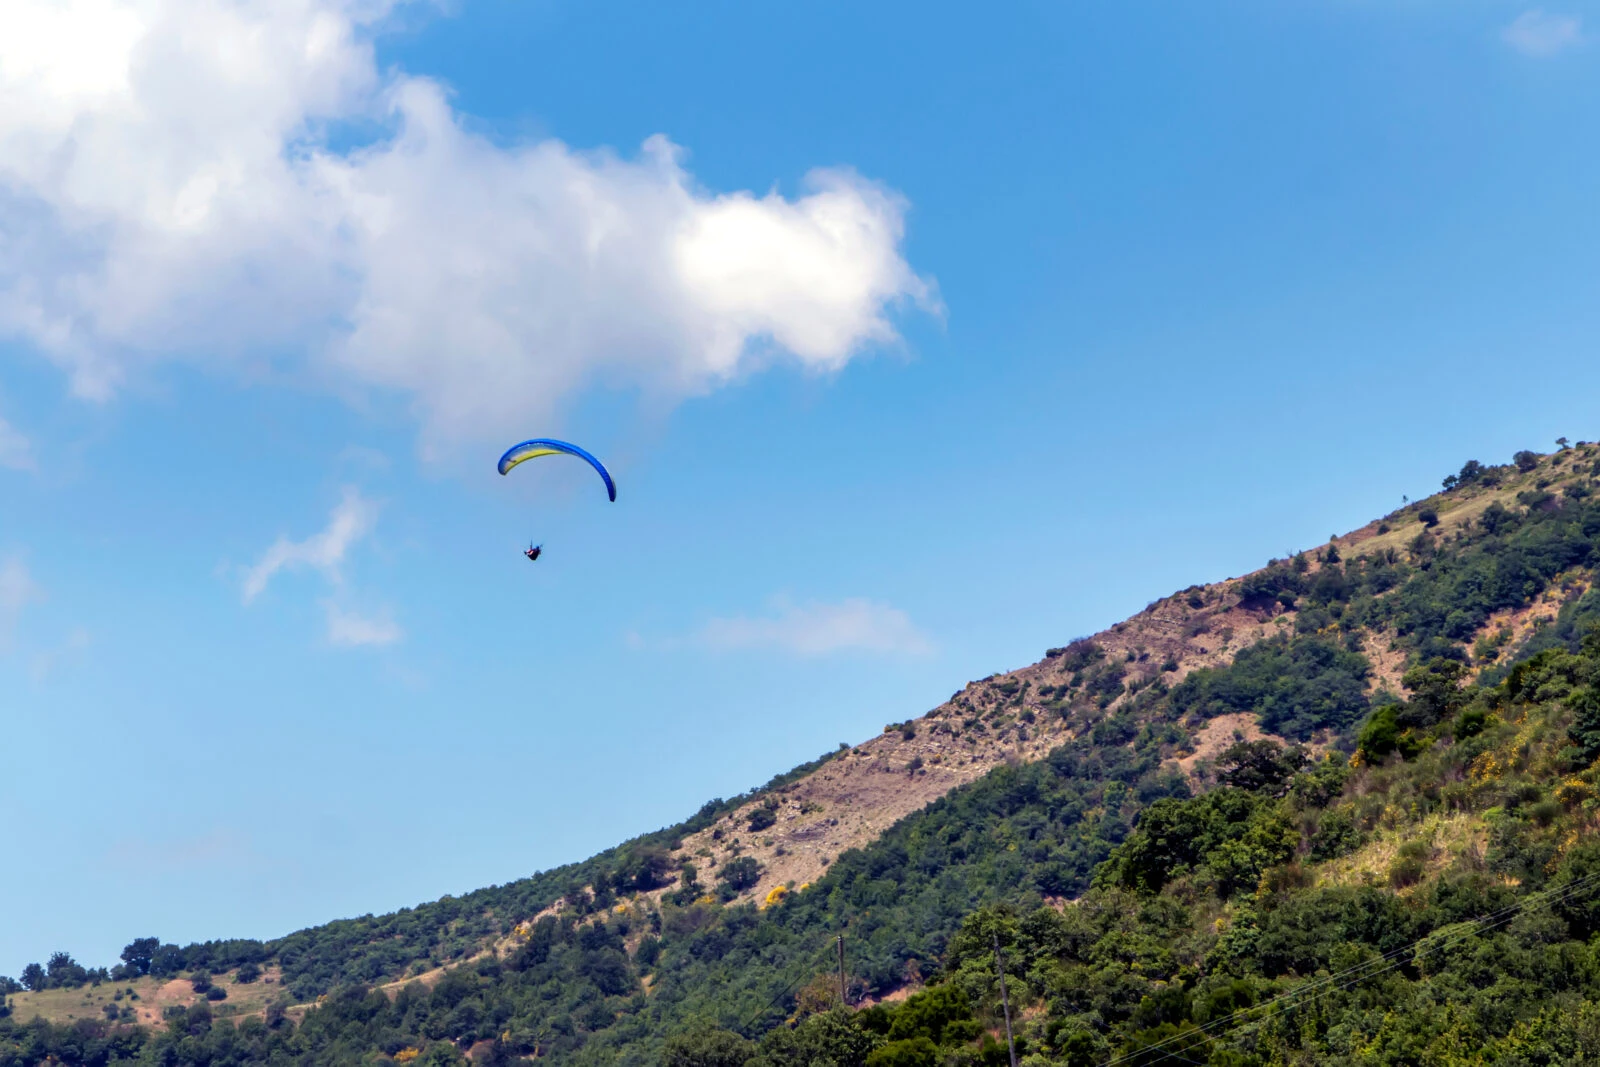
[[543, 446]]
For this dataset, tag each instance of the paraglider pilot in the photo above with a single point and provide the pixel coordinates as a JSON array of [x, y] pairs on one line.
[[532, 551]]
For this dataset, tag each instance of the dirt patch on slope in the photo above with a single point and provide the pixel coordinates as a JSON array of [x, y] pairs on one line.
[[1217, 736], [1021, 715]]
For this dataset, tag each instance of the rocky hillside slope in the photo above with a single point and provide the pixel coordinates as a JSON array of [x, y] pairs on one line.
[[1014, 792]]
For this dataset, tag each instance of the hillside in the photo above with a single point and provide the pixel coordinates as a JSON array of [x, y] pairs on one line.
[[1249, 825]]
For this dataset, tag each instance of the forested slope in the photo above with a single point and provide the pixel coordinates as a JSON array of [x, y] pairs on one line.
[[1430, 717]]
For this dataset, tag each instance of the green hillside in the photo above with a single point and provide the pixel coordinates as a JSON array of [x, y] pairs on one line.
[[1400, 868]]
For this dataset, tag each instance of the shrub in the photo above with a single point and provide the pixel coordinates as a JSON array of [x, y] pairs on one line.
[[1336, 836], [1296, 687], [916, 1052], [740, 874], [643, 869], [707, 1047], [1405, 871], [1383, 734], [1259, 766], [1429, 517], [1470, 723], [1261, 589]]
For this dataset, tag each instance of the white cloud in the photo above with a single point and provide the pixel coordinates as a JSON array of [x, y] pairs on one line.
[[17, 591], [169, 188], [820, 629], [351, 520], [16, 451], [1537, 33], [218, 848], [350, 629]]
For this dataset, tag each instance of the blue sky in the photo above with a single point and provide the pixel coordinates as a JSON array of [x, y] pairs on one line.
[[1085, 305]]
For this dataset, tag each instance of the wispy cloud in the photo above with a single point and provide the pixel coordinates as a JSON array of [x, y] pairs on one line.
[[351, 520], [50, 661], [214, 850], [818, 629], [350, 629], [1539, 33], [17, 591], [16, 451]]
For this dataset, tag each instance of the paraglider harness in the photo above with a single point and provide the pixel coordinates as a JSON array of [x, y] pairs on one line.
[[532, 551]]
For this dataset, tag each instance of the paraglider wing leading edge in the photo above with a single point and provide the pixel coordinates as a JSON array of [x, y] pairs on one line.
[[543, 446]]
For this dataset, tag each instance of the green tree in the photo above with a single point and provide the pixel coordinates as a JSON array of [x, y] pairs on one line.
[[139, 953], [707, 1047], [643, 869], [834, 1038], [741, 874], [1436, 691], [915, 1052], [1260, 766]]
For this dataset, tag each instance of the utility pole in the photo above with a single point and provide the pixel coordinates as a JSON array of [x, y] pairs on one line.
[[1005, 1005], [843, 1003]]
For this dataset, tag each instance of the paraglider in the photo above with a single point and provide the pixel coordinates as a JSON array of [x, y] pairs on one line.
[[544, 446], [541, 446]]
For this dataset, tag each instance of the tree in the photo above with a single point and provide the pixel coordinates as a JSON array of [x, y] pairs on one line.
[[741, 874], [1525, 460], [644, 869], [1584, 701], [139, 953], [248, 972], [1562, 442], [707, 1047], [33, 977], [1383, 734], [167, 960], [916, 1052], [65, 972], [1436, 692], [1260, 766], [837, 1037], [936, 1014]]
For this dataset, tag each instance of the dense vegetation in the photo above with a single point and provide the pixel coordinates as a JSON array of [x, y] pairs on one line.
[[1300, 910]]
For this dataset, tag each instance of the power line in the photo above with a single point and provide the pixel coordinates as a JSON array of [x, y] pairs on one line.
[[811, 969]]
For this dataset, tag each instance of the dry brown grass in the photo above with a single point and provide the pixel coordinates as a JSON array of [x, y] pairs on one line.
[[1451, 837], [155, 996]]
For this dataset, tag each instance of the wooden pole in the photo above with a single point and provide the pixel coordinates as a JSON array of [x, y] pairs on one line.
[[1005, 1005], [843, 1001]]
